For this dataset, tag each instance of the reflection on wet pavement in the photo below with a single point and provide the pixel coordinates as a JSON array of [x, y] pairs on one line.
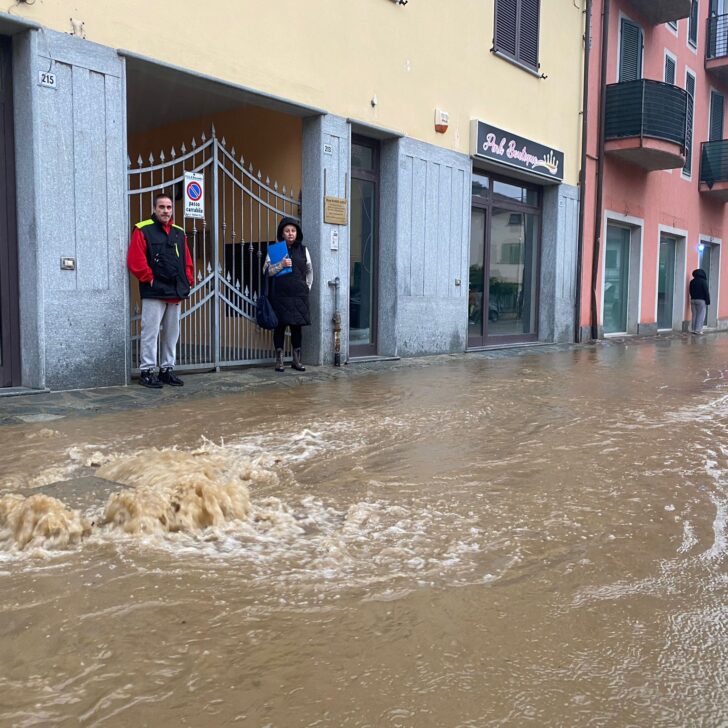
[[537, 539]]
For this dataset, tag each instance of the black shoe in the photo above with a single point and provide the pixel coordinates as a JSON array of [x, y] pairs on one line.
[[149, 378], [167, 376]]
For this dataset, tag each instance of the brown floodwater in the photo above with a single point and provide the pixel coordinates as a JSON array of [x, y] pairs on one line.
[[539, 539]]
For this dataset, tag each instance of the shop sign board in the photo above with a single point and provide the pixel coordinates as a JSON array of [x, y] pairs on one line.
[[504, 147]]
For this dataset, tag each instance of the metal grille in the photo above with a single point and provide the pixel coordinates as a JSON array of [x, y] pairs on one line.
[[228, 247]]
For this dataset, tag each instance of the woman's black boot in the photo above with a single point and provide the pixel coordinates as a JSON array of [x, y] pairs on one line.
[[279, 360], [296, 363]]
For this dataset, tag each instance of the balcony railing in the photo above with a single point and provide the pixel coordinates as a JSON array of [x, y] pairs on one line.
[[714, 162], [662, 11], [717, 38], [645, 108]]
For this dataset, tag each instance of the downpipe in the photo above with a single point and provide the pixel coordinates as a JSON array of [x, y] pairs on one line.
[[583, 175], [599, 202], [336, 321]]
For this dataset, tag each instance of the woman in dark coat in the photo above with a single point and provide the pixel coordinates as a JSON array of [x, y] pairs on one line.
[[289, 293], [699, 300]]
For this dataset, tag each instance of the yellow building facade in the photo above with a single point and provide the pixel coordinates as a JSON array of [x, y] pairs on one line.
[[448, 133]]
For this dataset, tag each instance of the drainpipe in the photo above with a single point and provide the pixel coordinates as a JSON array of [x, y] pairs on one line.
[[336, 321], [600, 170], [582, 176]]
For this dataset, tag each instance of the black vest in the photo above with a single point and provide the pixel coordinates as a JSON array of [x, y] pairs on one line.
[[288, 294], [166, 256]]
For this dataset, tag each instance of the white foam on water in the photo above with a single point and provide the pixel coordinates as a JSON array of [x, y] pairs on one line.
[[39, 522], [689, 538], [717, 549], [202, 503]]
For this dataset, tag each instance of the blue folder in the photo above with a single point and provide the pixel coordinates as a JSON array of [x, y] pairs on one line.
[[277, 252]]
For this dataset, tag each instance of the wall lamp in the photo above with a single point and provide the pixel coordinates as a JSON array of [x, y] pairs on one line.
[[400, 2]]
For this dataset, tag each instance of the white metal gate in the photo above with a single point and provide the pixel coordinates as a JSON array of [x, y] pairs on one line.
[[228, 247]]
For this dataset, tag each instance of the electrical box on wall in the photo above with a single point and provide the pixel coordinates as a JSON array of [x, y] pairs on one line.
[[442, 120]]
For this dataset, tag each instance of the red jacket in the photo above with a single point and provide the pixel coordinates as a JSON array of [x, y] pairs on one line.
[[136, 259]]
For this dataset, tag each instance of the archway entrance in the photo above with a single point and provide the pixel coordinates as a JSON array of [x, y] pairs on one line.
[[228, 244], [247, 148]]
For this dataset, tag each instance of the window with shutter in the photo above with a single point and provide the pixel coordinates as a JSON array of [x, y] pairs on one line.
[[506, 12], [690, 88], [717, 106], [630, 52], [669, 70], [516, 30], [693, 24]]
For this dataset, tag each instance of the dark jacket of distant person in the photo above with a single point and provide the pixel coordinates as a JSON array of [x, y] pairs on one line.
[[699, 286]]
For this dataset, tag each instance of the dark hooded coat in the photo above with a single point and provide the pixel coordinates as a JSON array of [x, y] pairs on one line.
[[288, 294], [699, 286]]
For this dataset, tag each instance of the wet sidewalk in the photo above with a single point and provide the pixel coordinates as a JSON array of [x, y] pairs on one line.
[[49, 406]]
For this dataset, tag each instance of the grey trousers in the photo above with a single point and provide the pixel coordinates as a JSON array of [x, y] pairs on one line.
[[697, 308], [156, 314]]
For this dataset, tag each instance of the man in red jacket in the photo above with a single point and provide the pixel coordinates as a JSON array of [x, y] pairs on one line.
[[160, 260]]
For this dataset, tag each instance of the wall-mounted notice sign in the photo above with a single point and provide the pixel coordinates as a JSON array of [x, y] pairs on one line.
[[195, 195], [335, 210]]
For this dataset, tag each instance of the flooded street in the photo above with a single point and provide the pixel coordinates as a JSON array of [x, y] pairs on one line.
[[535, 539]]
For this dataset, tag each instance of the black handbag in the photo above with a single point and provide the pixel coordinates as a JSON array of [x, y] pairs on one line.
[[265, 316]]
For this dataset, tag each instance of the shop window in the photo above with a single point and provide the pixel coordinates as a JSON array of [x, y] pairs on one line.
[[480, 185], [514, 191], [511, 253], [516, 30]]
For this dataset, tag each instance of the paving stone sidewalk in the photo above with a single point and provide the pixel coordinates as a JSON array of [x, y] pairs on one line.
[[49, 406]]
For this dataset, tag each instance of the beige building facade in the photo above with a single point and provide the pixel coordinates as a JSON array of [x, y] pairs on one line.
[[437, 128]]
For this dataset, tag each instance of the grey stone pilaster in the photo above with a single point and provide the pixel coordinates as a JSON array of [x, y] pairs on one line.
[[28, 129], [559, 237], [71, 176], [431, 249], [326, 151]]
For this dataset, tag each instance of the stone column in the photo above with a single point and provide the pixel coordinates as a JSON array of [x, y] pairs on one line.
[[71, 177], [559, 234], [326, 151]]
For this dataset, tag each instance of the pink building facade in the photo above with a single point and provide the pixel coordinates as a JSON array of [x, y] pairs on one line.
[[656, 165]]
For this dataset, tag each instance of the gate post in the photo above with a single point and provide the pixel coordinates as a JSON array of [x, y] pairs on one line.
[[326, 155], [215, 256]]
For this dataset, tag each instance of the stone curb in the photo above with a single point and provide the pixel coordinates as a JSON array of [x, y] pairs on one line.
[[48, 406]]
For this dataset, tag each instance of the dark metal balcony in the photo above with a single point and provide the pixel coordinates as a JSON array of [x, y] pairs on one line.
[[714, 169], [662, 11], [716, 48], [646, 123]]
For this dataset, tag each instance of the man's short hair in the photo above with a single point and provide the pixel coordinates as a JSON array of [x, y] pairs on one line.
[[162, 196]]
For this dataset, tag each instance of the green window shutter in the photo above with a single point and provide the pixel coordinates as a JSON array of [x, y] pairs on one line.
[[669, 70], [717, 105], [690, 88], [630, 52]]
